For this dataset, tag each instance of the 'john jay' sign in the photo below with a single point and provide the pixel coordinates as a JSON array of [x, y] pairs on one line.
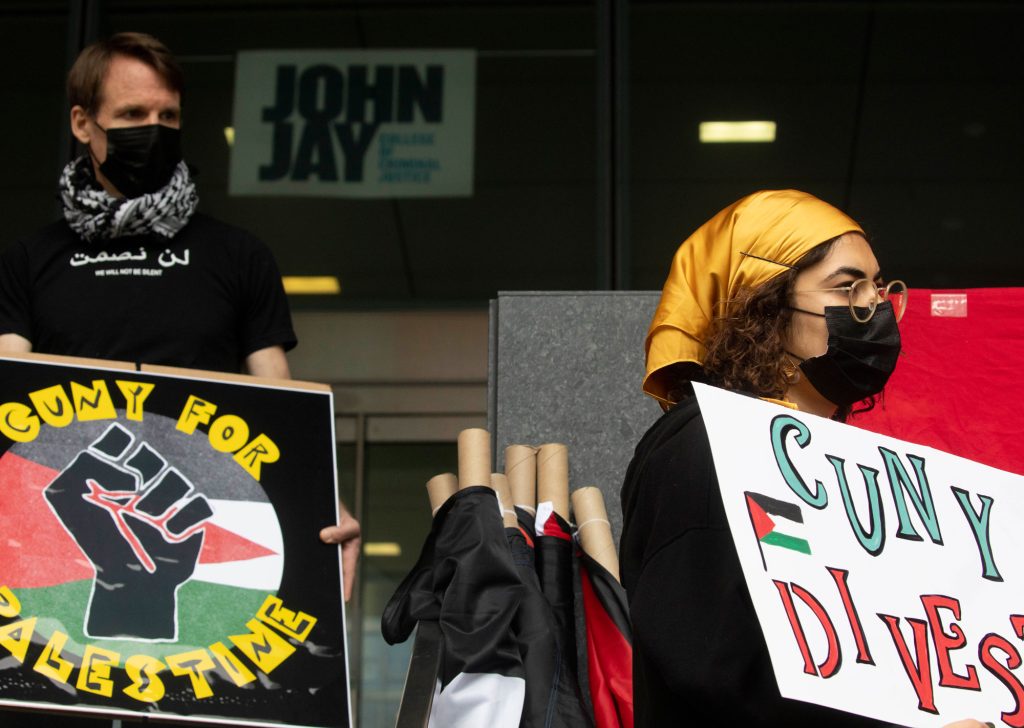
[[886, 576], [341, 123]]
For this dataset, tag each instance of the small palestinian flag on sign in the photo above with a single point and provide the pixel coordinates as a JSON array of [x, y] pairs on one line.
[[761, 509]]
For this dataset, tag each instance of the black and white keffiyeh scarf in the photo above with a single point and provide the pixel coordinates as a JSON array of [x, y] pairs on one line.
[[95, 215]]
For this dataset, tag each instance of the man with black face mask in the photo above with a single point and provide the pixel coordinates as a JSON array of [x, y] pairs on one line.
[[133, 272]]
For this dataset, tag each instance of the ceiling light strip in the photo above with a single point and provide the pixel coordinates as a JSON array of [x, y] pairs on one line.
[[718, 132], [311, 285]]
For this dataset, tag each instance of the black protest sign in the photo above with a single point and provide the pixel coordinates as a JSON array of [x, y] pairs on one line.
[[160, 552]]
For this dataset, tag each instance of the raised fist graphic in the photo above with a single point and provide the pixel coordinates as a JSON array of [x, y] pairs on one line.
[[132, 517]]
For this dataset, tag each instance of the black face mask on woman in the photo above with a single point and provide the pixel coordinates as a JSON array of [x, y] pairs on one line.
[[141, 159], [860, 356]]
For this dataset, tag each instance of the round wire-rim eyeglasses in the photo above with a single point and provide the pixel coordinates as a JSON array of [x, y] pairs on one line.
[[865, 295]]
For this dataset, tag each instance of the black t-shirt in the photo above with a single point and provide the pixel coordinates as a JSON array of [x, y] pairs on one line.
[[698, 651], [205, 299]]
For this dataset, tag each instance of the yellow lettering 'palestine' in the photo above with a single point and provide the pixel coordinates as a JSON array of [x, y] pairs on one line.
[[50, 663], [94, 675], [268, 644], [17, 636], [294, 625], [194, 664], [9, 604], [264, 647], [143, 670], [236, 670]]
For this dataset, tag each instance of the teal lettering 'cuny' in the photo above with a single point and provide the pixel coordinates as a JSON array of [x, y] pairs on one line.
[[921, 497], [781, 426], [979, 526], [872, 540]]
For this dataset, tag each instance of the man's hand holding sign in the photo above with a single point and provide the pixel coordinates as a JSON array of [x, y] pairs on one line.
[[884, 574]]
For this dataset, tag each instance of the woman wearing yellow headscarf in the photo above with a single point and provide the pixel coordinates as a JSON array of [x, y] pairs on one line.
[[778, 296], [769, 298]]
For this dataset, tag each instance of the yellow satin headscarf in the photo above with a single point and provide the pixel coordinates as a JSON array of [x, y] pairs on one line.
[[708, 268]]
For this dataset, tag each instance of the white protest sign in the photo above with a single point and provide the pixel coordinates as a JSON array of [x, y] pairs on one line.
[[887, 576], [354, 123]]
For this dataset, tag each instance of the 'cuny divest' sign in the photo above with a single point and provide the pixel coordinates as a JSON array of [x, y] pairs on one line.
[[886, 575], [351, 123], [160, 554]]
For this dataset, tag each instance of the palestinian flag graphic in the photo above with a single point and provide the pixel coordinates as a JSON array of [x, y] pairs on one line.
[[761, 509], [135, 535]]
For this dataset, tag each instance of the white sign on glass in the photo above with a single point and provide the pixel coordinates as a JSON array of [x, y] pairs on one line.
[[352, 123]]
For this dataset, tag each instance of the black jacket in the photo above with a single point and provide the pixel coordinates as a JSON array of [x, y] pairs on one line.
[[698, 650]]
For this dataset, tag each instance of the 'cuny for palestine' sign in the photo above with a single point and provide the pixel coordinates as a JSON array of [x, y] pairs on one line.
[[351, 123], [160, 556]]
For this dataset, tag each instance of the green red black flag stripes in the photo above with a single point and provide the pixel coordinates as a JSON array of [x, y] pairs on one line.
[[761, 508]]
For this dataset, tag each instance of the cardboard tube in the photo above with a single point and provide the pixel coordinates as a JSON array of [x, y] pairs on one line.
[[474, 458], [553, 477], [595, 533], [440, 488], [521, 469], [508, 513]]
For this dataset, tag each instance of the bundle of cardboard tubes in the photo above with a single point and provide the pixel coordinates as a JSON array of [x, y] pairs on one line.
[[533, 475]]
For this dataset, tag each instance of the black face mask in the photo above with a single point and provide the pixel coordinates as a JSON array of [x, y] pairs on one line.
[[141, 159], [860, 357]]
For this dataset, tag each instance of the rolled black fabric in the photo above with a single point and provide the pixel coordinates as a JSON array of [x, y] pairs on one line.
[[552, 692], [477, 580], [466, 581], [554, 569]]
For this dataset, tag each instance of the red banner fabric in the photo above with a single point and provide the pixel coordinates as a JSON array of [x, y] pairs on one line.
[[957, 386]]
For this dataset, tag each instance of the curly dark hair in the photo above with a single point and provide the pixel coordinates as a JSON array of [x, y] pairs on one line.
[[744, 349], [744, 346]]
